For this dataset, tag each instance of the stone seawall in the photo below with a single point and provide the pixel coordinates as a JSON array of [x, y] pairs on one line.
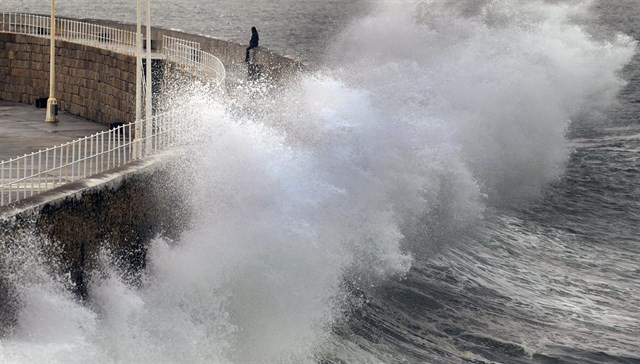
[[120, 211], [92, 83]]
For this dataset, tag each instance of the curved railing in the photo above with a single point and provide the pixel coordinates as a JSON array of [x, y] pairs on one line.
[[191, 58], [94, 35]]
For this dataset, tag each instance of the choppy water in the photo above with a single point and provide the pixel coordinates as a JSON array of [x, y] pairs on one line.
[[460, 183]]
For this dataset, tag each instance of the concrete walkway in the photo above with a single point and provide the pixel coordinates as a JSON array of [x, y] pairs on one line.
[[23, 130]]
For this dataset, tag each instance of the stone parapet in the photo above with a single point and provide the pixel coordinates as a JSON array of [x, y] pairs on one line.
[[92, 83]]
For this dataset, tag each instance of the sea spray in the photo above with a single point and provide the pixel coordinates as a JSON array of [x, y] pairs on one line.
[[504, 78]]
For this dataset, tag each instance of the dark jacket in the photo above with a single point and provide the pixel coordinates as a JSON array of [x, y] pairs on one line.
[[254, 38]]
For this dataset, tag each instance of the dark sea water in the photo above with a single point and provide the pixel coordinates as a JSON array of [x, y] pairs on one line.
[[297, 27], [554, 280], [552, 277]]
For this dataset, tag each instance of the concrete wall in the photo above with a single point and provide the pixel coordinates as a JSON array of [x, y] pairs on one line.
[[92, 83]]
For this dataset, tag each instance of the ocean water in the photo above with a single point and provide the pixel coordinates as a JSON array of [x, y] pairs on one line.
[[459, 181], [301, 28]]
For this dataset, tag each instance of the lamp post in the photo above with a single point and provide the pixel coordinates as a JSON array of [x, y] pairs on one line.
[[148, 113], [138, 128], [52, 103]]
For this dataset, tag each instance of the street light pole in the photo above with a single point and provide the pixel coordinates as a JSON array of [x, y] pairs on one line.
[[52, 103], [138, 128], [148, 112]]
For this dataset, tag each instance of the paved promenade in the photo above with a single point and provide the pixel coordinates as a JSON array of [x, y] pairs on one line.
[[23, 130]]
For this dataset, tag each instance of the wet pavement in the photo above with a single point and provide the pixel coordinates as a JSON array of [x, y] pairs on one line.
[[23, 130]]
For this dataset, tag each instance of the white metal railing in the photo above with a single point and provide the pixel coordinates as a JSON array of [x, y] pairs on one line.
[[180, 49], [188, 56], [95, 35], [33, 173]]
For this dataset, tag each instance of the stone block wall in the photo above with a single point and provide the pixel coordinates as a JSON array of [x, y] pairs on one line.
[[92, 83]]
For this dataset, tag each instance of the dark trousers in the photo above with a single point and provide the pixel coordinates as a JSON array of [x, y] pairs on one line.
[[246, 59]]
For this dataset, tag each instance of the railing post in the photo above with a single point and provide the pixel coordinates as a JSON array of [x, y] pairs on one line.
[[84, 158], [10, 168], [73, 159], [39, 171], [24, 177], [2, 175], [109, 150], [46, 166], [31, 175]]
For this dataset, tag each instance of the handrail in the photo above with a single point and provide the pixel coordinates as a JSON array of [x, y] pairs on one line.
[[94, 35], [36, 172], [190, 57]]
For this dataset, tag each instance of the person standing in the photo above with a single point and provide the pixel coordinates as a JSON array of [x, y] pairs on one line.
[[253, 43]]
